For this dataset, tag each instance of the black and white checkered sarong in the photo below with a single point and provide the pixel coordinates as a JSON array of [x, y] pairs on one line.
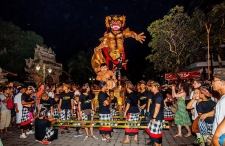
[[113, 112], [25, 114], [49, 133], [132, 117], [65, 114], [55, 113], [168, 114], [209, 128], [105, 117], [87, 117], [156, 128]]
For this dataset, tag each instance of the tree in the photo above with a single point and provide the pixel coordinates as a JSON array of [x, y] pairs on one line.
[[79, 66], [17, 45], [175, 38]]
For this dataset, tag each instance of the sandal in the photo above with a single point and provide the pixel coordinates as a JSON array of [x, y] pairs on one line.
[[62, 132], [67, 131], [188, 135], [177, 135]]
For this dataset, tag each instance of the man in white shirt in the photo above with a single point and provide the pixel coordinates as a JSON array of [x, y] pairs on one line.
[[18, 104], [219, 85]]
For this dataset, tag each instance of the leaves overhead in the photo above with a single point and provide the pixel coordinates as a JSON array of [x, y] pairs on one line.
[[16, 46], [174, 39]]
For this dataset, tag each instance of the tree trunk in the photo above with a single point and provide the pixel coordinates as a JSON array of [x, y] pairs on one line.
[[219, 60]]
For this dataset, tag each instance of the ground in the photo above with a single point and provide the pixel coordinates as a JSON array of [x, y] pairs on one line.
[[68, 139]]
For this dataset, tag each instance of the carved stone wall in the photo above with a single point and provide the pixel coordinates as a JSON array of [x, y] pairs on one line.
[[45, 59]]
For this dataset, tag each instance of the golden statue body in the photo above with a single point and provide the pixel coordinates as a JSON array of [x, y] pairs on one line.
[[112, 44]]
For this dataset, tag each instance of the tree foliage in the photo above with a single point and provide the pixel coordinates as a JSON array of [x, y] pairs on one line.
[[16, 46], [174, 39], [79, 67]]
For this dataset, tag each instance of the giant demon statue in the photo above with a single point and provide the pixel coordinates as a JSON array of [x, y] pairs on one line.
[[111, 48]]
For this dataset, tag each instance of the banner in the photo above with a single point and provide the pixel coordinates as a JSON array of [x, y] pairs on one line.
[[183, 75]]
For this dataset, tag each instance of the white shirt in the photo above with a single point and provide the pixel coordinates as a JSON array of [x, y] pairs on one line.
[[191, 95], [18, 101], [51, 94], [77, 92], [194, 104], [219, 113]]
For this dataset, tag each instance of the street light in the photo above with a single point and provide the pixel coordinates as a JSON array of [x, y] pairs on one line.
[[38, 67], [91, 79]]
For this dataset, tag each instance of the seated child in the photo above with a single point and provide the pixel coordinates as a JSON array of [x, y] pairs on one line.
[[43, 133]]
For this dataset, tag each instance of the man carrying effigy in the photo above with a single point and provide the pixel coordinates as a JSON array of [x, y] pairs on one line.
[[104, 112], [156, 115], [131, 113]]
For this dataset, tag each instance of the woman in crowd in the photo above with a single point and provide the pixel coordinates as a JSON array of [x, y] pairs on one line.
[[181, 116], [204, 107], [168, 114], [131, 113], [193, 105], [51, 93]]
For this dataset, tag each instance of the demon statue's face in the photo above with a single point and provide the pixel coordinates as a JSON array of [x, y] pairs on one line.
[[115, 22]]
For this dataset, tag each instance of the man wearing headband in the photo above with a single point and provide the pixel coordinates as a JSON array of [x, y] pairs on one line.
[[65, 104], [219, 86], [27, 103], [156, 115], [131, 113], [43, 133], [86, 108], [104, 112]]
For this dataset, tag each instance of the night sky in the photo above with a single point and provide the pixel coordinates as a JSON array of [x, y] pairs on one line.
[[68, 26]]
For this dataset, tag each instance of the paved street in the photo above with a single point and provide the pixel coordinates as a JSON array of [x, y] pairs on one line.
[[68, 139]]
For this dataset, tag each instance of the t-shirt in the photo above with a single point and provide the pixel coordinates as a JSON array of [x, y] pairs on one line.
[[40, 128], [18, 100], [66, 100], [143, 98], [113, 102], [77, 92], [51, 94], [47, 103], [219, 113], [3, 104], [102, 96], [85, 102], [205, 107], [194, 105], [132, 99], [157, 99], [26, 98], [55, 103]]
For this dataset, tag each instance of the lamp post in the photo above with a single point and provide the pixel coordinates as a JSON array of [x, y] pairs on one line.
[[92, 79], [38, 67]]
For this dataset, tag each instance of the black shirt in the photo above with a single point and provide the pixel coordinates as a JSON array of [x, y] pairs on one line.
[[26, 98], [102, 96], [47, 103], [85, 102], [113, 102], [205, 107], [143, 98], [55, 103], [132, 99], [66, 100], [40, 128], [157, 99]]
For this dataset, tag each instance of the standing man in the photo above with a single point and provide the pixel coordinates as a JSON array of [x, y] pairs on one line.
[[18, 104], [142, 98], [104, 112], [219, 86], [27, 103], [5, 112], [155, 124]]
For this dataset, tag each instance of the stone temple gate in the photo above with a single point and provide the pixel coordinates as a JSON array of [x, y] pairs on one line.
[[43, 68]]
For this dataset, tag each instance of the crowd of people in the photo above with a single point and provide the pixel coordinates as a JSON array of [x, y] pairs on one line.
[[194, 105]]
